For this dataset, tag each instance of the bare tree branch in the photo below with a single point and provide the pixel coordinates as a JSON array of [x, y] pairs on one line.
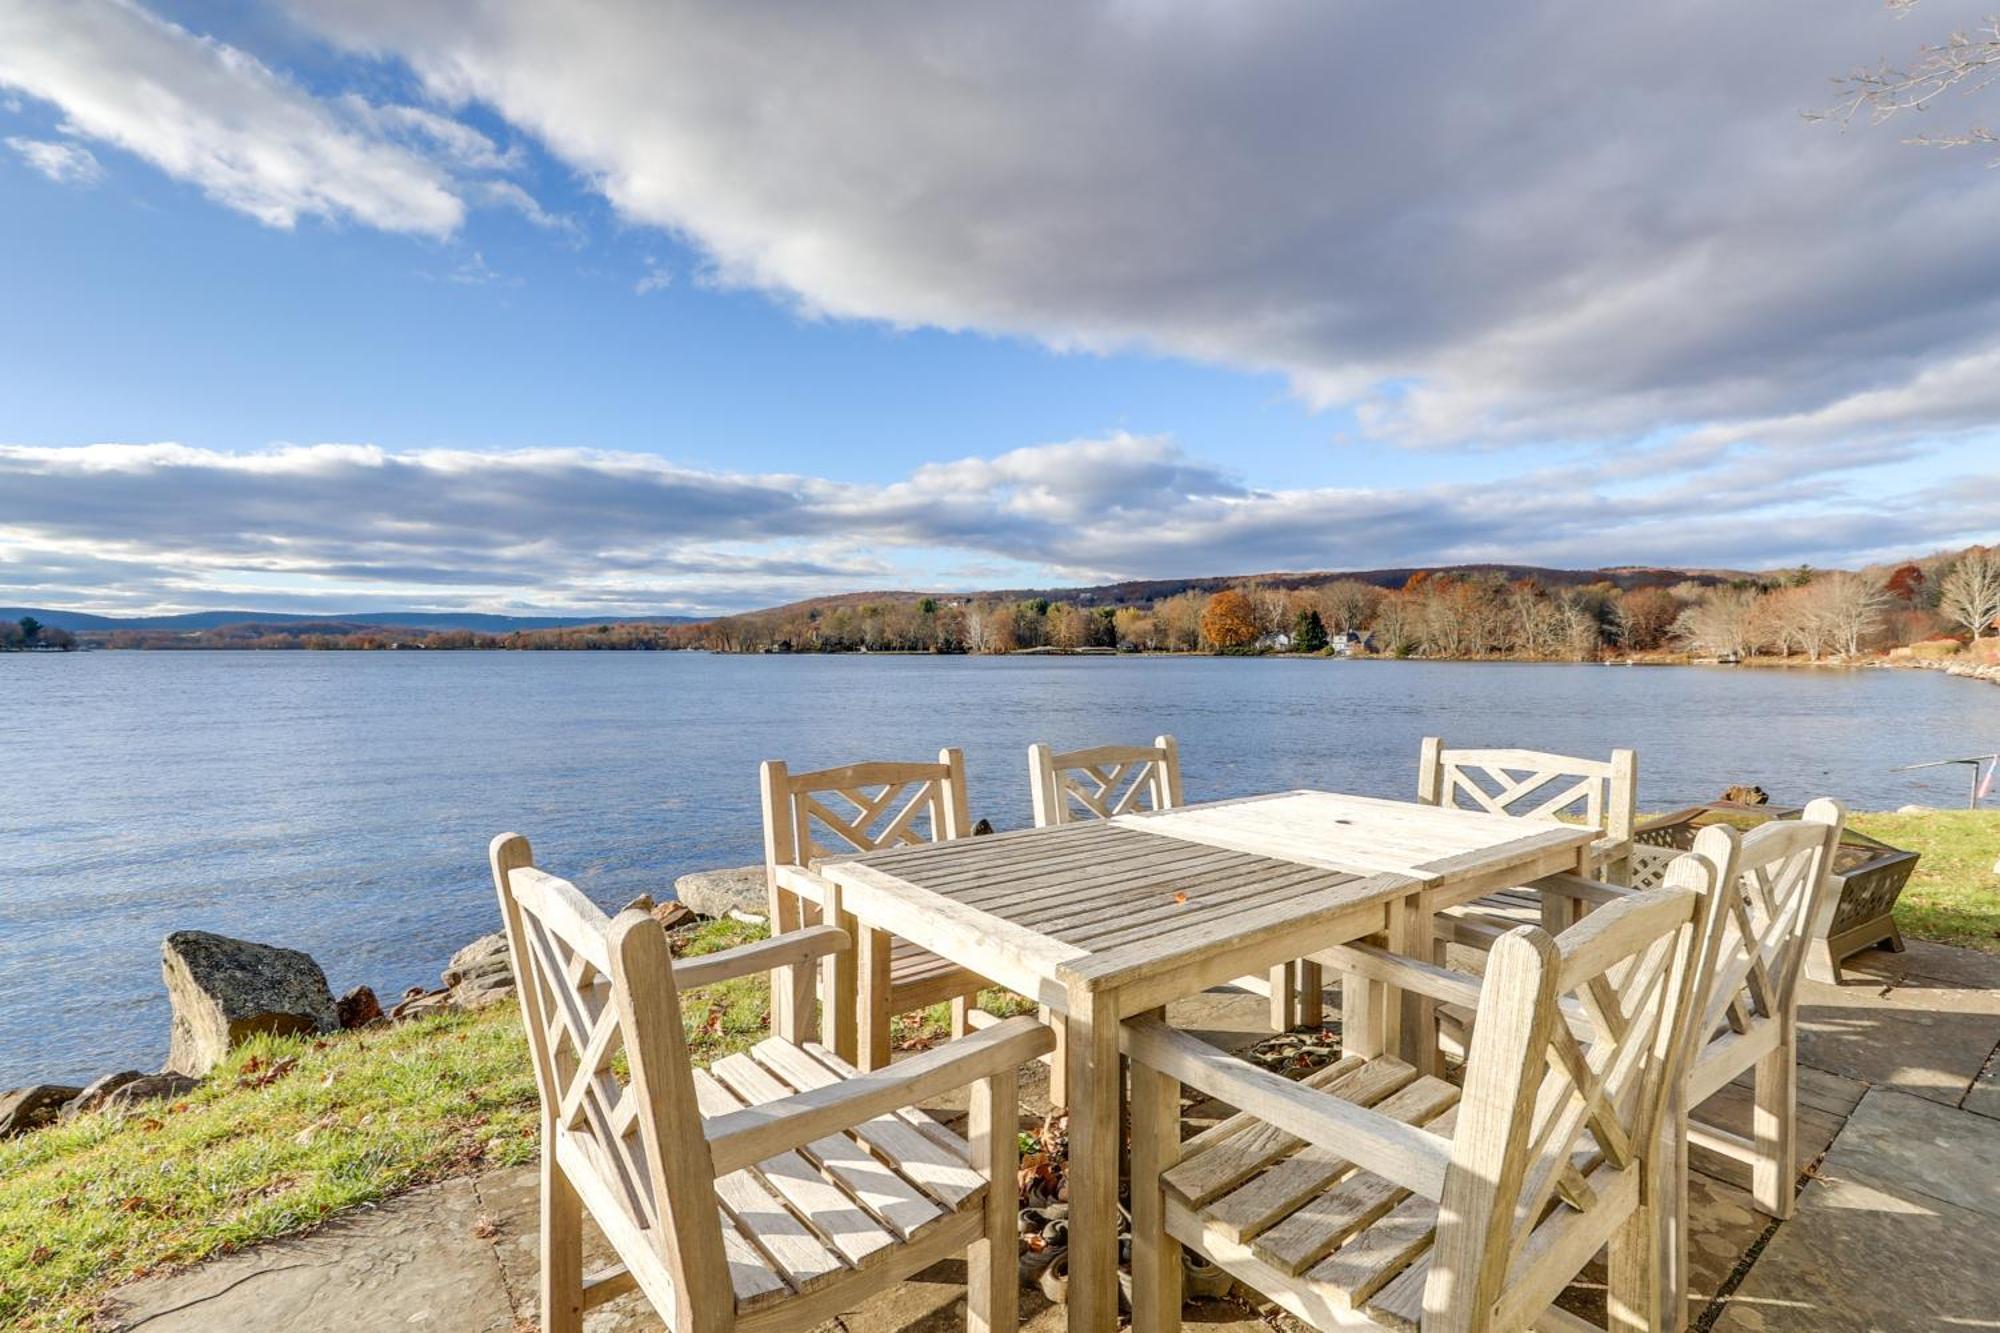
[[1968, 62]]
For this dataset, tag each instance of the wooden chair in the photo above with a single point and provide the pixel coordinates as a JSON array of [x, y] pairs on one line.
[[864, 808], [1532, 784], [771, 1193], [1778, 877], [1371, 1196], [1103, 781], [1758, 933]]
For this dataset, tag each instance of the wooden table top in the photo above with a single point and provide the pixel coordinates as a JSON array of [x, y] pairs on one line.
[[1363, 834], [1103, 903]]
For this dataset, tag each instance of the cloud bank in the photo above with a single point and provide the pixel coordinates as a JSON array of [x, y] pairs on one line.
[[1475, 224], [115, 526]]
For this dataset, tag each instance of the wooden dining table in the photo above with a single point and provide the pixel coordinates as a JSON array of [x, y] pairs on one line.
[[1100, 922]]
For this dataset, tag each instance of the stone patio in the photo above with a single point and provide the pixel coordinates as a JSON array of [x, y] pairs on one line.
[[1898, 1225]]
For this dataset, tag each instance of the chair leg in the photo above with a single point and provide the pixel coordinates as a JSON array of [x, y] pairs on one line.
[[1362, 1006], [961, 1016], [1156, 1147], [992, 1281], [785, 918], [1632, 1299], [562, 1247], [1668, 1190], [1774, 1123]]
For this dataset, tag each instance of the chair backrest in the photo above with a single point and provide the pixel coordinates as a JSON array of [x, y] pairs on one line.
[[1784, 871], [1103, 781], [861, 807], [1531, 784], [591, 987], [1565, 1085]]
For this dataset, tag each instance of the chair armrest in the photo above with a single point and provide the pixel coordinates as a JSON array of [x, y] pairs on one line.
[[1410, 974], [754, 1133], [1582, 890], [801, 883], [1404, 1154], [1427, 979], [790, 949]]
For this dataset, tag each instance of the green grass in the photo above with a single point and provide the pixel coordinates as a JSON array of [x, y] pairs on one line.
[[348, 1119], [351, 1119], [1954, 896]]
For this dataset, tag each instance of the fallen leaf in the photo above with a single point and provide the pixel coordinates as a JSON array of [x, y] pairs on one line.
[[1180, 897]]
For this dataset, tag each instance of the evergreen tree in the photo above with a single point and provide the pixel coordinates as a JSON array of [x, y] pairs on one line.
[[1308, 632]]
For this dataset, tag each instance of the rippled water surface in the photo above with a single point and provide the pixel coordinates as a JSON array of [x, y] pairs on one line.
[[341, 802]]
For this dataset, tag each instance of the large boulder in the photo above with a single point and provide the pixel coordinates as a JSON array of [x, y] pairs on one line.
[[481, 973], [33, 1107], [226, 991], [722, 893]]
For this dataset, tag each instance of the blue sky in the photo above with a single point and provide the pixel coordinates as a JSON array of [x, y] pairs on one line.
[[330, 306]]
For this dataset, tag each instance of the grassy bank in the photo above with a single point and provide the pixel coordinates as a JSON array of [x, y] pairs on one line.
[[1954, 895], [291, 1131]]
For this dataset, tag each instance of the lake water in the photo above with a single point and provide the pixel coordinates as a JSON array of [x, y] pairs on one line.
[[342, 802]]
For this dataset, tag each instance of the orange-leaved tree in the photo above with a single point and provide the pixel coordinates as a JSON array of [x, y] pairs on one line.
[[1229, 620]]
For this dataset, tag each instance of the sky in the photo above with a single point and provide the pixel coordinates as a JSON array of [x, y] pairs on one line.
[[642, 306]]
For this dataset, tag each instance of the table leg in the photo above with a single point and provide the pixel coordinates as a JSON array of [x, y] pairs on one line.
[[1411, 1019], [1312, 985], [1094, 1153], [873, 1038]]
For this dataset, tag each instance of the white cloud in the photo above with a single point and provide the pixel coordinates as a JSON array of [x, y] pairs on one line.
[[332, 524], [1473, 223], [63, 163], [215, 116], [244, 134]]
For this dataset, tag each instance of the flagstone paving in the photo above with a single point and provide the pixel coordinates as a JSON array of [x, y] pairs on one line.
[[1898, 1225]]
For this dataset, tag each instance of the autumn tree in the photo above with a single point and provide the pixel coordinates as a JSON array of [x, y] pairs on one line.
[[1229, 621], [1905, 583], [1644, 617], [1179, 621], [1849, 607], [1720, 622], [1970, 593], [1348, 604]]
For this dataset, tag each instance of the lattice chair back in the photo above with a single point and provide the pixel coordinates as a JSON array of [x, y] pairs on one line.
[[1532, 784], [862, 807], [1783, 873], [1103, 781], [591, 988], [1576, 1039]]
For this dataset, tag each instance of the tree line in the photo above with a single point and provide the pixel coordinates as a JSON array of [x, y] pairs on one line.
[[1802, 613], [29, 633]]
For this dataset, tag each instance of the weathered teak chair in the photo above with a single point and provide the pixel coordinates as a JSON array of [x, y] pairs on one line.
[[1374, 1197], [1758, 931], [1777, 879], [1532, 784], [1103, 781], [771, 1193], [863, 808]]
